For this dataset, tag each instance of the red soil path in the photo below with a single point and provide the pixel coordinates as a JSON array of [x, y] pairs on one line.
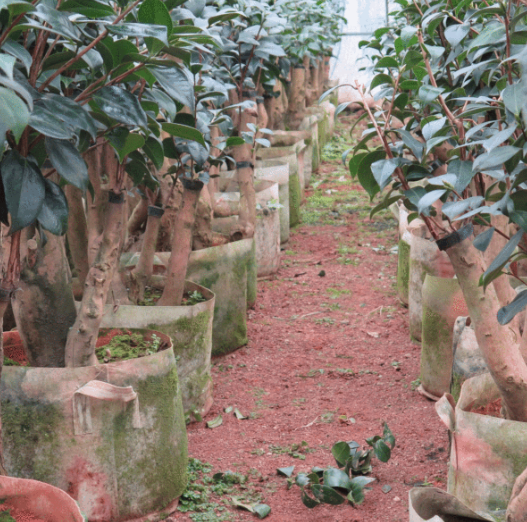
[[314, 362]]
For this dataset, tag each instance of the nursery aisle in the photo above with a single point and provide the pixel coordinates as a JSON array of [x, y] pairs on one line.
[[329, 359]]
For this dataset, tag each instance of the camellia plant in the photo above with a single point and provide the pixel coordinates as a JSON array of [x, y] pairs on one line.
[[447, 138]]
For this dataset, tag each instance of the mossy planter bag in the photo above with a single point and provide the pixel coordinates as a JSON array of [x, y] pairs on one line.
[[230, 272], [38, 500], [468, 359], [267, 230], [294, 156], [278, 171], [487, 453], [113, 435], [425, 258], [442, 302], [190, 328]]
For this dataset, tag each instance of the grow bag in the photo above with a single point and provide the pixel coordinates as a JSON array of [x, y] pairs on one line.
[[267, 231], [113, 435], [442, 303], [39, 500], [425, 258], [278, 171], [294, 156], [487, 453], [190, 328], [468, 359], [436, 505]]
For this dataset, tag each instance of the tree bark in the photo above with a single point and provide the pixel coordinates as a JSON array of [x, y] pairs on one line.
[[263, 118], [44, 305], [80, 346], [498, 344], [297, 100], [243, 155], [138, 217], [181, 244], [4, 303], [77, 232], [517, 508], [142, 273]]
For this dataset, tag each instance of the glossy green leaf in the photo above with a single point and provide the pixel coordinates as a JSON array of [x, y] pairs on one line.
[[381, 79], [428, 200], [53, 215], [383, 170], [493, 159], [514, 98], [308, 501], [121, 105], [286, 472], [68, 162], [184, 132], [365, 175], [176, 83], [495, 268], [262, 510], [341, 452], [336, 478], [382, 451], [510, 311], [24, 189], [88, 8], [154, 150], [159, 32], [482, 241], [215, 423], [131, 142], [14, 115], [327, 495]]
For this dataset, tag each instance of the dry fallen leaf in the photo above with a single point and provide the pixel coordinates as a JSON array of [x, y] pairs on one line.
[[376, 335]]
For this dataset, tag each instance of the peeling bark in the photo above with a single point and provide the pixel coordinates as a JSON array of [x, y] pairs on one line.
[[80, 346], [181, 244], [138, 217]]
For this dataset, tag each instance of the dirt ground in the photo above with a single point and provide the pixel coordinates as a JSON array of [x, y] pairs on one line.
[[329, 359]]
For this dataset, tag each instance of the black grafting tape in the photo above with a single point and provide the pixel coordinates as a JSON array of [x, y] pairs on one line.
[[267, 96], [5, 295], [116, 198], [249, 94], [259, 99], [455, 238], [155, 211], [244, 165], [299, 67]]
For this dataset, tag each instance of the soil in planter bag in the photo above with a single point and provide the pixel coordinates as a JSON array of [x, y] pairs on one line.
[[487, 453]]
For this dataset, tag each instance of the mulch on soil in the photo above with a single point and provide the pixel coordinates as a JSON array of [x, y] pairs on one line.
[[329, 359]]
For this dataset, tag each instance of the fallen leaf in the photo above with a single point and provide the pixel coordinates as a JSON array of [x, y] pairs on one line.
[[214, 423], [239, 414], [376, 335]]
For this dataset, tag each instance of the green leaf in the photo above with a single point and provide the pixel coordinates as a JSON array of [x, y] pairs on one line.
[[49, 124], [327, 495], [70, 112], [409, 85], [233, 141], [68, 162], [215, 423], [362, 481], [302, 480], [452, 209], [286, 472], [463, 172], [520, 218], [262, 510], [413, 144], [356, 495], [428, 200], [493, 159], [88, 8], [341, 452], [154, 12], [429, 93], [154, 150], [492, 34], [412, 58], [454, 34], [388, 436], [383, 170], [380, 79], [131, 142], [494, 269], [365, 174], [308, 501], [121, 105], [433, 127], [336, 478], [482, 241], [382, 451], [24, 189], [508, 312], [387, 61], [53, 215], [513, 98], [158, 32], [184, 132], [19, 52], [176, 83], [14, 115]]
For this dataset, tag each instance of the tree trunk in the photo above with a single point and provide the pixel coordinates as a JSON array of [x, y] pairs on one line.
[[181, 244], [202, 235], [44, 305], [138, 217], [77, 232], [4, 303], [263, 118], [142, 273], [80, 347], [297, 100], [243, 155], [517, 508], [498, 344]]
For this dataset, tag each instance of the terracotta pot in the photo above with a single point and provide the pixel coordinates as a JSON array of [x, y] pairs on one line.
[[442, 303], [425, 258], [113, 435], [39, 500], [190, 328], [487, 453]]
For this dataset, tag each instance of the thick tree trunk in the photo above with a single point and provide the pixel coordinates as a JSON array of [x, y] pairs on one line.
[[44, 305], [243, 155], [297, 100], [202, 235], [517, 508], [80, 347], [498, 344], [77, 232], [142, 273], [181, 244]]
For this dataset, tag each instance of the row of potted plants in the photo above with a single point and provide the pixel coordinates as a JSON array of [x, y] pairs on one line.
[[130, 252], [445, 145]]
